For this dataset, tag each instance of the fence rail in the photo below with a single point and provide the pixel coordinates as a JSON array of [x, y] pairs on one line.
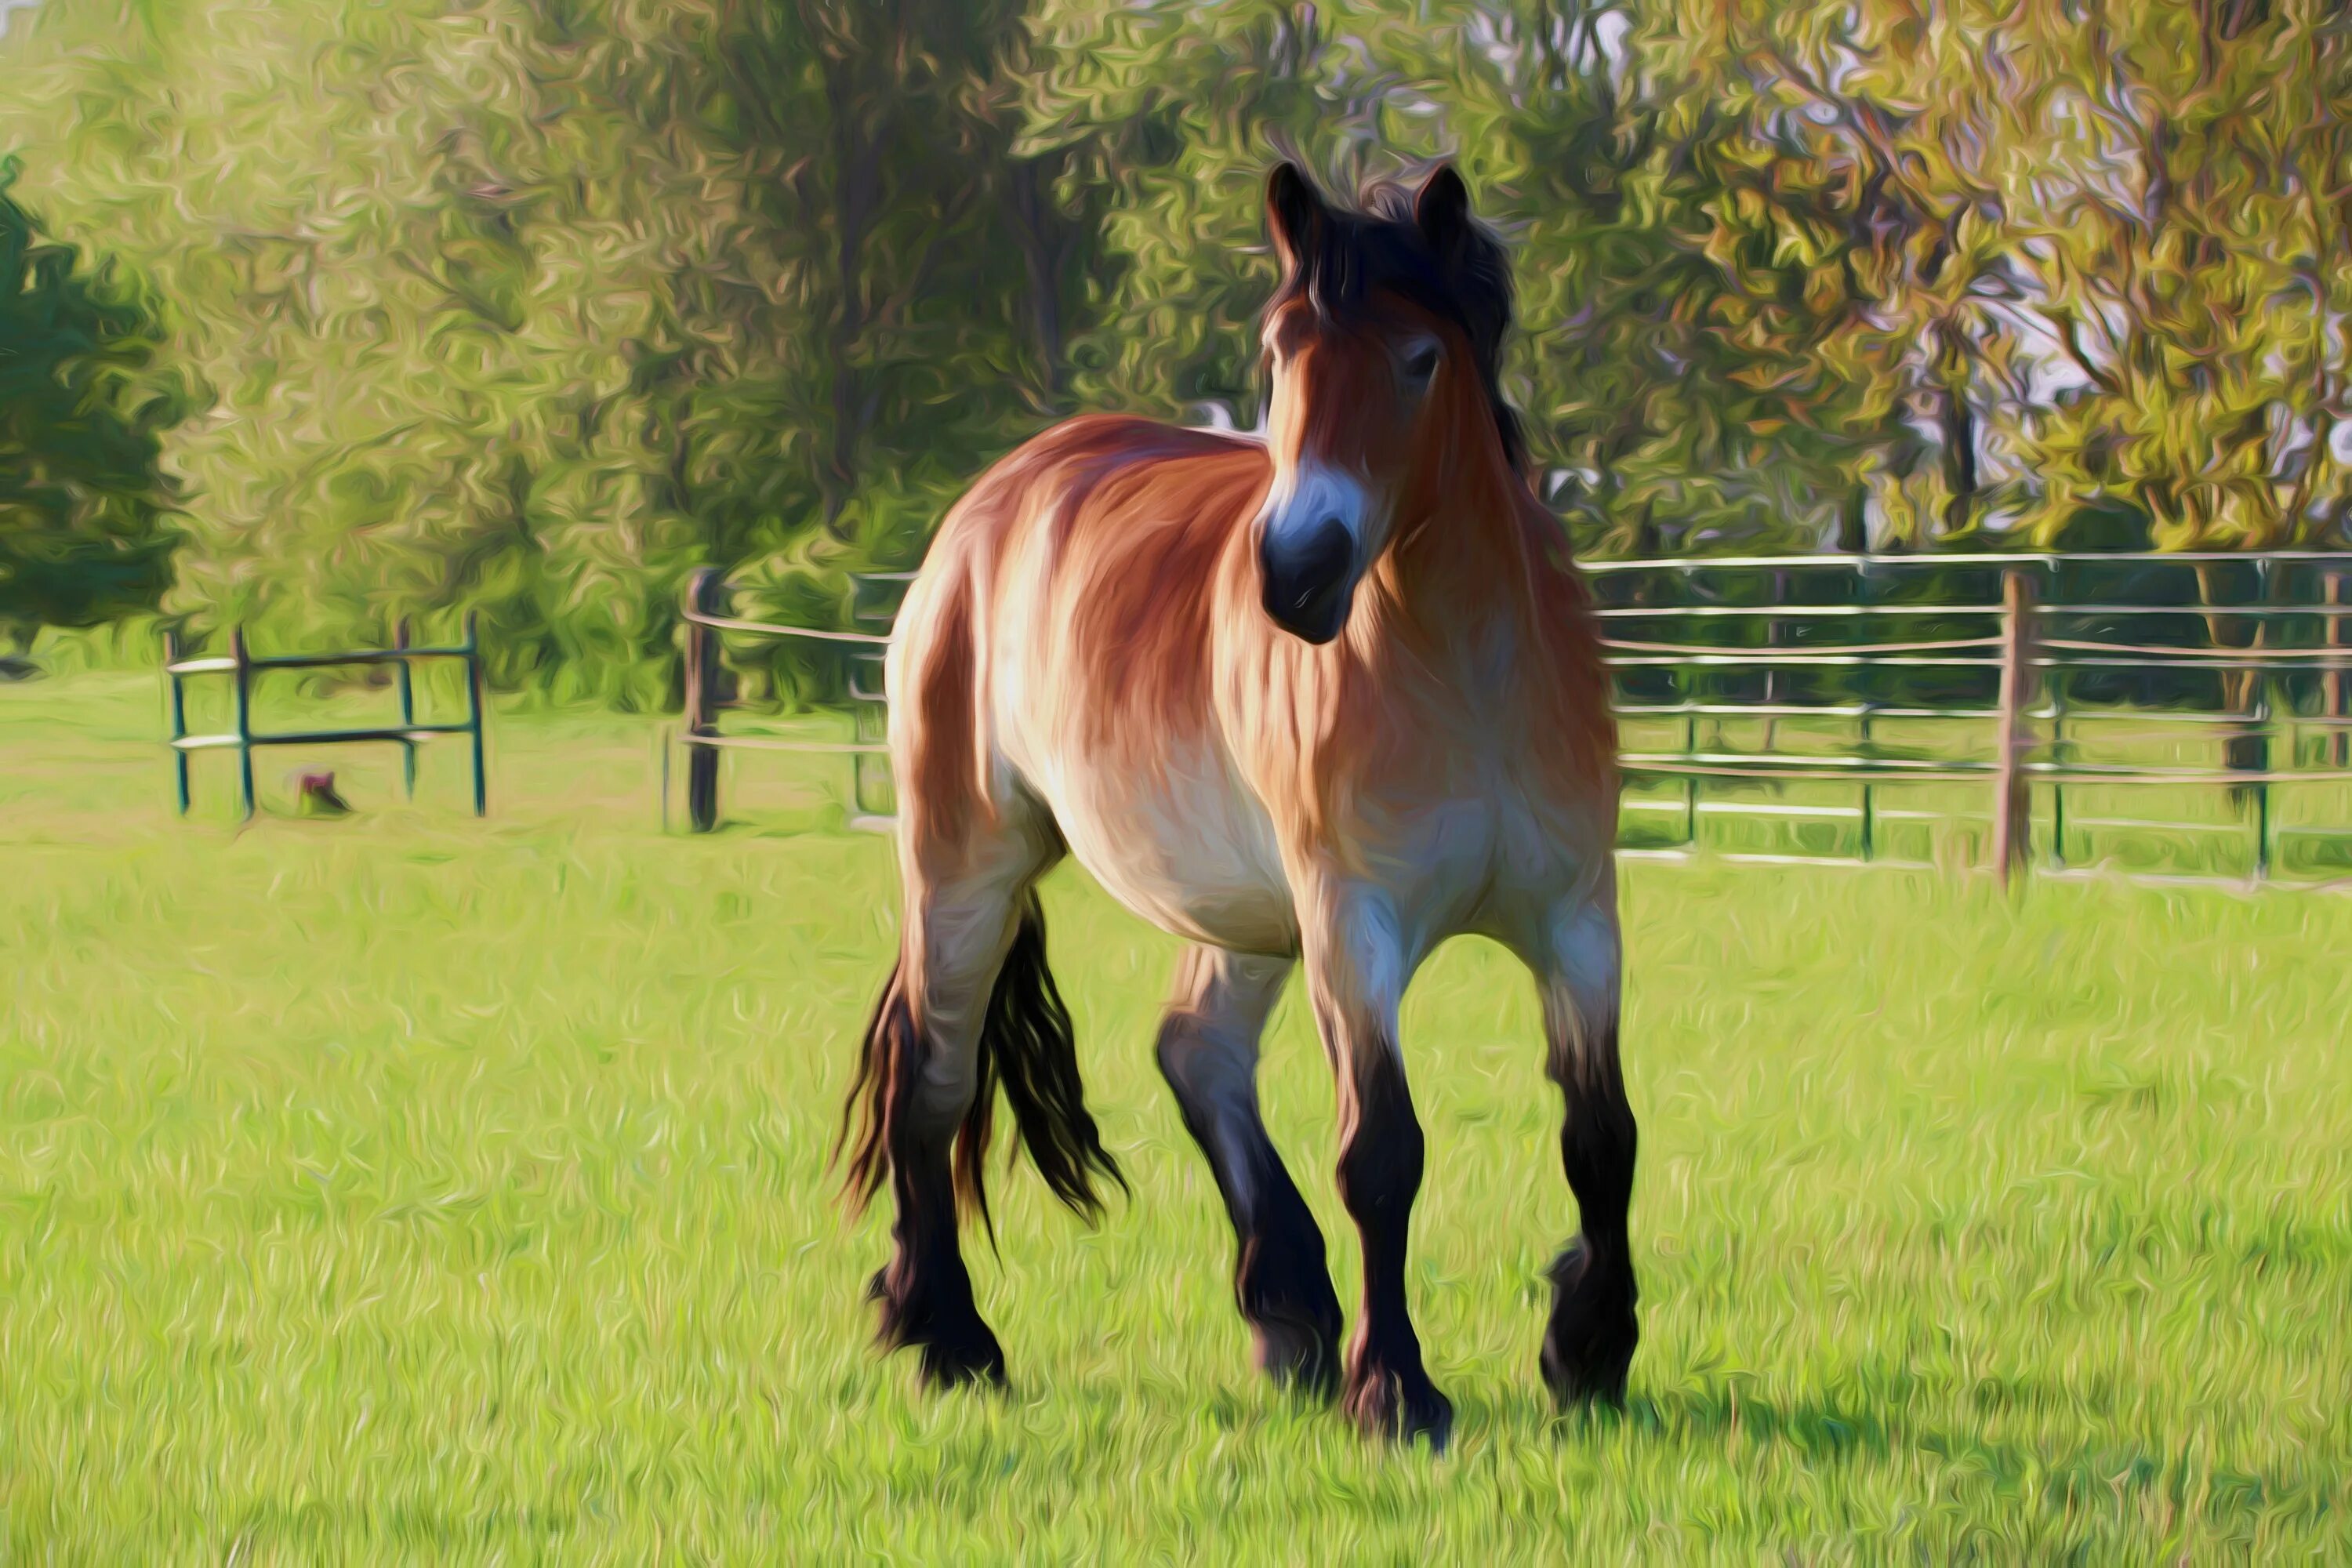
[[241, 665], [2000, 711], [706, 698]]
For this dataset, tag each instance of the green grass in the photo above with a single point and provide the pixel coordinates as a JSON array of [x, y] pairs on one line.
[[405, 1188]]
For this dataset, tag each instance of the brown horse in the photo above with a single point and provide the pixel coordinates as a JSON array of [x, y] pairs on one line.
[[1329, 697]]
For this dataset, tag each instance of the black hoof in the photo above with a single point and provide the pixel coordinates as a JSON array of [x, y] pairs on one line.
[[971, 1359], [954, 1345], [1301, 1358], [1398, 1404], [1589, 1347], [1286, 1298]]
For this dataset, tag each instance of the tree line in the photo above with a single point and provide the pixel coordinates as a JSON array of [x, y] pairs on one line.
[[356, 310]]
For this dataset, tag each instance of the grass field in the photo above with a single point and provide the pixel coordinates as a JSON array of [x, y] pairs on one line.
[[405, 1188]]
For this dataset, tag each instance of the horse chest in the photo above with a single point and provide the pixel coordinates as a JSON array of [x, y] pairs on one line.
[[1185, 837], [1469, 834]]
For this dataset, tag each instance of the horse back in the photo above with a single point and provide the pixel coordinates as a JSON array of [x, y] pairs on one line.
[[1077, 580]]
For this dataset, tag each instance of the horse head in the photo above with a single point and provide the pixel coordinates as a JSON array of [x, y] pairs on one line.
[[1381, 344]]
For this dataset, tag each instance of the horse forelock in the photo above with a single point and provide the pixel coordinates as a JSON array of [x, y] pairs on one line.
[[1379, 250]]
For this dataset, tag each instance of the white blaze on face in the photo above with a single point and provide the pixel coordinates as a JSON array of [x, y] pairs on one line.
[[1312, 545], [1309, 496]]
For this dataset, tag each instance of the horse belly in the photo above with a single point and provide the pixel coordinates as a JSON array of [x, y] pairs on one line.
[[1183, 847]]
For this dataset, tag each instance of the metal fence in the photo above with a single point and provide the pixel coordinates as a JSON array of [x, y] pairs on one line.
[[2043, 687], [240, 664], [706, 602], [1897, 710]]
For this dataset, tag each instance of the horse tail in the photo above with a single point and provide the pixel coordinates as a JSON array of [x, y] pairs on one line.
[[1028, 1047], [887, 1063]]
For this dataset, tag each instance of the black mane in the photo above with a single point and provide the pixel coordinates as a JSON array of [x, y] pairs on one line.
[[1380, 246]]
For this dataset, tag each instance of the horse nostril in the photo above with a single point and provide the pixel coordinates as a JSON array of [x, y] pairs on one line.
[[1325, 550], [1306, 575]]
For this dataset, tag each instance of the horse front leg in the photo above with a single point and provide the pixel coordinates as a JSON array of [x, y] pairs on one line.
[[1588, 1347], [1357, 964], [1209, 1053]]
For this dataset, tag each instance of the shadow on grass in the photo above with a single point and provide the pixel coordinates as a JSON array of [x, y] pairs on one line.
[[1874, 1428], [1820, 1428]]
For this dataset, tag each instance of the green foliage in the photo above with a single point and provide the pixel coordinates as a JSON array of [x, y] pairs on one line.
[[534, 307], [2194, 248], [83, 530]]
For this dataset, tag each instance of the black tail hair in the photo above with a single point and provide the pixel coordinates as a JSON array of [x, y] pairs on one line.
[[1027, 1045]]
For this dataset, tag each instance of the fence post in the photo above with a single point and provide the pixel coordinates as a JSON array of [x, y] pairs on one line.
[[1689, 684], [1684, 684], [2014, 805], [407, 708], [701, 702], [864, 729], [2263, 720], [661, 765], [2061, 752], [1866, 689], [244, 674], [179, 715], [473, 710], [2340, 744]]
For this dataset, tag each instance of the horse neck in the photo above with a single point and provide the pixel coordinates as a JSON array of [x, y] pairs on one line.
[[1462, 559], [1487, 625]]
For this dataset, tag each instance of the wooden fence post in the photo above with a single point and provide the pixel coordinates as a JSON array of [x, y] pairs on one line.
[[244, 674], [2014, 805], [702, 701]]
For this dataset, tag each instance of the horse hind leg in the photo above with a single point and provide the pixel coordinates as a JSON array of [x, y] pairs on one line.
[[914, 1091], [1207, 1052], [969, 1006]]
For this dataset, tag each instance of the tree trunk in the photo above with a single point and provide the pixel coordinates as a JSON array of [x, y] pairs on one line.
[[1956, 425], [1030, 208], [857, 200], [2243, 749], [1853, 521]]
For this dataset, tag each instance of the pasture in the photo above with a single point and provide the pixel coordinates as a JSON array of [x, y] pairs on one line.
[[410, 1188]]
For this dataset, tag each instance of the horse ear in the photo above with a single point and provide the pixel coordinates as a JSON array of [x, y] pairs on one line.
[[1442, 212], [1293, 215]]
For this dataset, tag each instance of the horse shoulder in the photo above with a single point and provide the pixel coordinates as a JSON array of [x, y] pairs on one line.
[[1120, 574], [1061, 618], [1563, 687]]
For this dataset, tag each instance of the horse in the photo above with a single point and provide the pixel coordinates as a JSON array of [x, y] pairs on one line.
[[1318, 697]]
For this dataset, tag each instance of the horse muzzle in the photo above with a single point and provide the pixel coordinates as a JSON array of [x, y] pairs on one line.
[[1306, 576]]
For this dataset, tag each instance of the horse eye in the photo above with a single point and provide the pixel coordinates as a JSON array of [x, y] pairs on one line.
[[1420, 361]]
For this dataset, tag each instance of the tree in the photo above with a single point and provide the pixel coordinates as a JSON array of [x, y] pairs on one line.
[[84, 506], [2193, 246], [1164, 117], [1663, 361], [533, 307]]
